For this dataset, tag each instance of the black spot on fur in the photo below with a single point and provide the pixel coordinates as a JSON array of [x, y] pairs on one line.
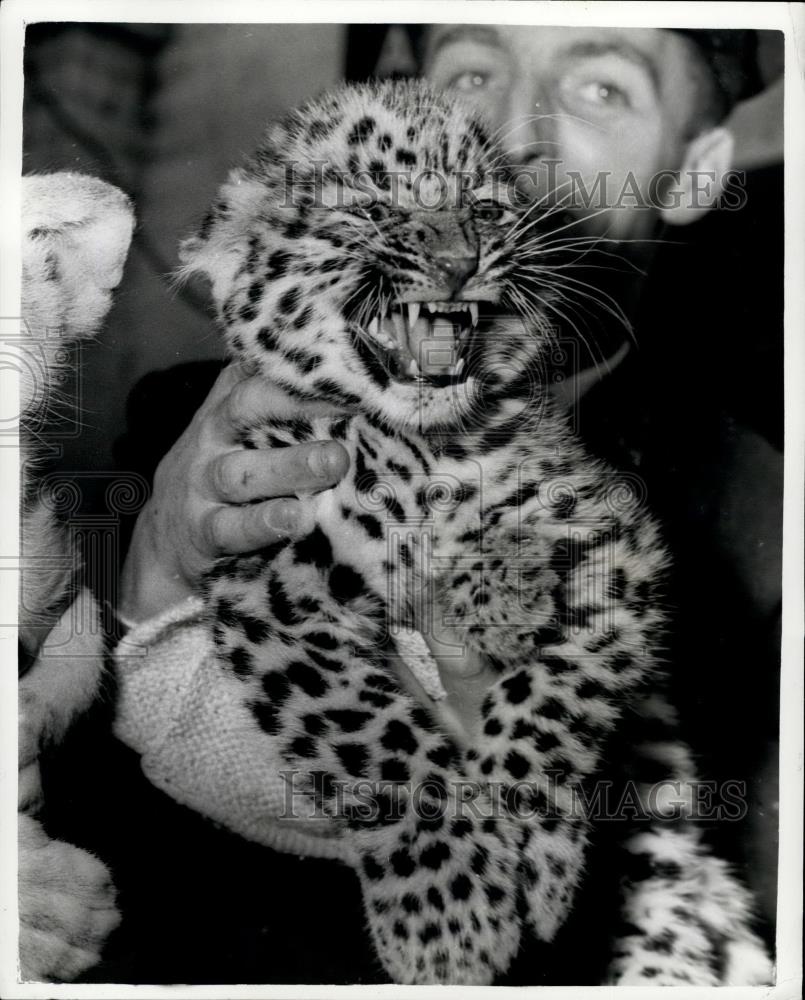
[[494, 894], [479, 860], [461, 887], [590, 689], [345, 583], [325, 662], [435, 855], [436, 899], [349, 720], [241, 661], [303, 746], [372, 869], [288, 301], [443, 755], [430, 932], [515, 764], [402, 863], [354, 757], [460, 827], [370, 524], [392, 769], [375, 698], [546, 741], [314, 724], [410, 903], [517, 688], [322, 639], [361, 131], [276, 687], [493, 727], [663, 943], [307, 678], [281, 607], [399, 737], [314, 548], [552, 708], [617, 585], [267, 716]]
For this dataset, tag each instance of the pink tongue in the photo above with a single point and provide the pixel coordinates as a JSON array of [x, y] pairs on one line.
[[434, 344]]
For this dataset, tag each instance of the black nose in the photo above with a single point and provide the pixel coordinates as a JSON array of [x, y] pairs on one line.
[[456, 270]]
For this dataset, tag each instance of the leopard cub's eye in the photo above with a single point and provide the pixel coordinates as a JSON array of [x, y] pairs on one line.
[[376, 211], [489, 211]]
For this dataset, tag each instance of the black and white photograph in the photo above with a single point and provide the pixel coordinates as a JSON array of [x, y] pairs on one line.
[[402, 448]]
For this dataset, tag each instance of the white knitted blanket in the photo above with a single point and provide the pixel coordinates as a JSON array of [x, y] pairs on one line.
[[196, 739]]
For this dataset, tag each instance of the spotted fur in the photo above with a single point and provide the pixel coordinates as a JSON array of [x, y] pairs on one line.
[[469, 512]]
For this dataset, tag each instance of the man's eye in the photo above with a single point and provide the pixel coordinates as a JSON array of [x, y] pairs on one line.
[[603, 94], [469, 81]]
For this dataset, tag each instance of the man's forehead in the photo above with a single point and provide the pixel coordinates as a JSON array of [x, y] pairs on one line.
[[549, 41]]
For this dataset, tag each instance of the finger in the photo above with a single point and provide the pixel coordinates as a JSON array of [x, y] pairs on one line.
[[234, 530], [245, 475], [254, 399]]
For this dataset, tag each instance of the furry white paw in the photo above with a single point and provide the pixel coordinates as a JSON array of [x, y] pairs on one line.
[[66, 903]]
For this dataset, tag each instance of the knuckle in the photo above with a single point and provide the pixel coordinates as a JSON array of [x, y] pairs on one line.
[[221, 477], [236, 402], [213, 531]]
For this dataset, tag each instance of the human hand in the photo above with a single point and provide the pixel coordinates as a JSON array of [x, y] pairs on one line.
[[212, 497]]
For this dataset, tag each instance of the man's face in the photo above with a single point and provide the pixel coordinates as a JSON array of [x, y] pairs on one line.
[[618, 100]]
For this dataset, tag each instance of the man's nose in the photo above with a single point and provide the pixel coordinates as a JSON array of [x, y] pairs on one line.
[[456, 270], [527, 131]]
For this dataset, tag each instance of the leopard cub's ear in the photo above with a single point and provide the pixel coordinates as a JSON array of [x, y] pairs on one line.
[[76, 232], [216, 249]]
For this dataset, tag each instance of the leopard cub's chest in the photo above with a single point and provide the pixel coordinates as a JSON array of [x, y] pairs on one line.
[[407, 514]]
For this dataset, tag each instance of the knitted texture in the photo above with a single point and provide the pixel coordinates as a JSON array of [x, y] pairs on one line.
[[194, 738]]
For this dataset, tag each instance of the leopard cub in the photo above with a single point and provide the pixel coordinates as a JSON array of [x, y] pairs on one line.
[[371, 254]]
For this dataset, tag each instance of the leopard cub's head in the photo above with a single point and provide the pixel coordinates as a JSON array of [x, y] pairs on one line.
[[368, 253]]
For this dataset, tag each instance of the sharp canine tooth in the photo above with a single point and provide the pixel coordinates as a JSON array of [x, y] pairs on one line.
[[474, 312], [399, 326], [459, 366], [413, 368], [374, 326], [413, 314]]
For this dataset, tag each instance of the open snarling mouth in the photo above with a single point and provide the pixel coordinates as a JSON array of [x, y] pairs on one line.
[[424, 342]]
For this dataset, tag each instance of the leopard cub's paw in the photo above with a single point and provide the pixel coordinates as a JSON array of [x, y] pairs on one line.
[[66, 904]]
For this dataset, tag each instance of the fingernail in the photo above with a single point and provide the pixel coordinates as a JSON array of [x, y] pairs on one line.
[[283, 517], [322, 462]]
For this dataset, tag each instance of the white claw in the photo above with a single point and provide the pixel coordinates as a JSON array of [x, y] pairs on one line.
[[413, 314], [474, 313]]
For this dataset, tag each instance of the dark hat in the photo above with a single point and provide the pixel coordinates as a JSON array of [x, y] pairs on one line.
[[732, 55]]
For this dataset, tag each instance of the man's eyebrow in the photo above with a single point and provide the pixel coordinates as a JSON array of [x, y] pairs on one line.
[[618, 47], [467, 33]]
